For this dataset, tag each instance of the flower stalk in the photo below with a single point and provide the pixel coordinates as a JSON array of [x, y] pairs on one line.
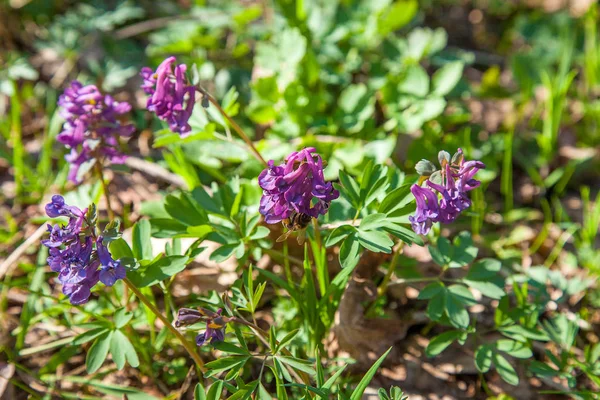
[[233, 124], [186, 344]]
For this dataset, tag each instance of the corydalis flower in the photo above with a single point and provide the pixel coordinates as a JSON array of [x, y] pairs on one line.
[[171, 97], [92, 127], [451, 183], [80, 261], [296, 186], [215, 324]]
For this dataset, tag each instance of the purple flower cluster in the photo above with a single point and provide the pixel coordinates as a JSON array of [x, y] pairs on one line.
[[452, 183], [296, 186], [171, 97], [77, 254], [92, 126], [215, 324]]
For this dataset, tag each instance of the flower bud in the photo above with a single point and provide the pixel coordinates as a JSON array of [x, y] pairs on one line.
[[425, 168]]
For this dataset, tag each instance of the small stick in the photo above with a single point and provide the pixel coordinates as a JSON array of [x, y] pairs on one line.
[[14, 256]]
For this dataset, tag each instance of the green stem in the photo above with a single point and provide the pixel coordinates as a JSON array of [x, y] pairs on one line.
[[262, 335], [186, 344], [286, 263], [98, 167], [16, 141], [387, 278], [234, 125]]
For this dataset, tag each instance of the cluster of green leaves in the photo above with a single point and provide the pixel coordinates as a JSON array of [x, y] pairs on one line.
[[283, 370], [448, 304], [521, 324], [220, 214], [108, 336], [383, 202]]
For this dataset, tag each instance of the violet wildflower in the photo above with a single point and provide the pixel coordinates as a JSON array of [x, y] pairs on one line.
[[172, 98], [296, 186], [215, 324], [78, 256], [452, 183], [111, 270], [92, 127]]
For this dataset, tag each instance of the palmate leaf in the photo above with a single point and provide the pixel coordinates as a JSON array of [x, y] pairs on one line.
[[98, 352], [142, 243], [157, 271], [350, 252], [225, 364], [121, 349], [442, 341]]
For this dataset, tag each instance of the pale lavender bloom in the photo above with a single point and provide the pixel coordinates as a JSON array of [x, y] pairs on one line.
[[92, 126], [296, 186]]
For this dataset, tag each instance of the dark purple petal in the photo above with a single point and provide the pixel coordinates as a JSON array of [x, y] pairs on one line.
[[295, 186], [200, 339]]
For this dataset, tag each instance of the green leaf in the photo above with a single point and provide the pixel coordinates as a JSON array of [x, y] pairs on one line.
[[431, 290], [215, 390], [120, 249], [349, 252], [529, 333], [513, 348], [505, 370], [462, 294], [261, 232], [122, 317], [118, 355], [199, 231], [224, 364], [415, 81], [329, 383], [286, 339], [396, 199], [436, 306], [349, 189], [364, 382], [88, 336], [441, 342], [338, 234], [185, 210], [142, 245], [372, 221], [157, 271], [446, 78], [437, 256], [483, 358], [298, 364], [98, 352], [199, 393], [483, 269], [455, 308], [489, 289], [396, 16], [375, 241], [541, 369], [224, 252], [230, 348]]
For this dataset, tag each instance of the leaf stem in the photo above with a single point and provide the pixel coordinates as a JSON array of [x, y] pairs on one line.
[[98, 168], [262, 335], [387, 278], [233, 124], [186, 344]]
